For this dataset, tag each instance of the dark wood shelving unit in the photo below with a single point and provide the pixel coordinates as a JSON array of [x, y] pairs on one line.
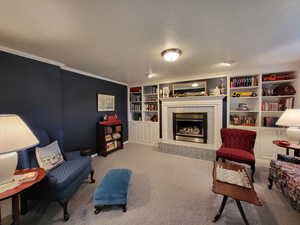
[[106, 143]]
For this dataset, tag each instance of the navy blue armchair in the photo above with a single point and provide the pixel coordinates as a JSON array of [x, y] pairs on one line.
[[61, 182]]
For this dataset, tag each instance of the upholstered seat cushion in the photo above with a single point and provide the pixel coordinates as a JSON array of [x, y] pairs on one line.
[[113, 189], [67, 172], [237, 155]]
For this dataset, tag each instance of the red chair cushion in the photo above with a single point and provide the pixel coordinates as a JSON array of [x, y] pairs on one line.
[[237, 155]]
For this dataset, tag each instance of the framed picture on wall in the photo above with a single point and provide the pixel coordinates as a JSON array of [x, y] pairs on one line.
[[105, 102]]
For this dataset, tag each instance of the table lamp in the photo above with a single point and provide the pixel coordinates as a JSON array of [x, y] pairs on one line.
[[14, 136], [291, 118]]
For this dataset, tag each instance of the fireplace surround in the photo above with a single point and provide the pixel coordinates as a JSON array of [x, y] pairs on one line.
[[190, 126]]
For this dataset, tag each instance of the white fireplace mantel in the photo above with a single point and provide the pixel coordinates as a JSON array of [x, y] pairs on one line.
[[196, 103]]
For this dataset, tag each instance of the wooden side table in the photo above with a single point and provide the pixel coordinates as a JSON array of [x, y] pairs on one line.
[[296, 148], [15, 192], [236, 192]]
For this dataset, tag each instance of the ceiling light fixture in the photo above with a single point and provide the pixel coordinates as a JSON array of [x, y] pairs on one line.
[[195, 85], [227, 63], [151, 75], [171, 54]]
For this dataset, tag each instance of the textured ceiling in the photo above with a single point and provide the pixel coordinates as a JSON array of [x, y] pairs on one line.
[[121, 39]]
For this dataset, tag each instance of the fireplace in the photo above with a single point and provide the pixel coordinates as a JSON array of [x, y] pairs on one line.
[[190, 127]]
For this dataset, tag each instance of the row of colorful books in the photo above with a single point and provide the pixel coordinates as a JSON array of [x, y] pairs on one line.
[[243, 82]]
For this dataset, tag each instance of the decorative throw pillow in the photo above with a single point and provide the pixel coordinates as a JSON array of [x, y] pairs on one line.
[[49, 156]]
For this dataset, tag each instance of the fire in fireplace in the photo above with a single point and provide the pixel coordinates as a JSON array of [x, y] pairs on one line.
[[190, 127]]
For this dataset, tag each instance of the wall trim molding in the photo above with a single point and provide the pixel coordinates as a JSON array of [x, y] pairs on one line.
[[56, 63], [91, 75], [30, 56]]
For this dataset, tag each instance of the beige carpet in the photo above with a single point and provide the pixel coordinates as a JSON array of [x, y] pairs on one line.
[[165, 190]]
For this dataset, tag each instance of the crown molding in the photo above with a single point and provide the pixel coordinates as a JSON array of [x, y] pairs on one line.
[[30, 56], [91, 75], [56, 63]]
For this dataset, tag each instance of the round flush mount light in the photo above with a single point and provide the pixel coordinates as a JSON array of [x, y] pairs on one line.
[[171, 54], [227, 63], [195, 85], [151, 75]]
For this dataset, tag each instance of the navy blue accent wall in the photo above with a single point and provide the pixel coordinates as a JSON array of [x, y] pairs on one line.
[[32, 90], [80, 112], [47, 97]]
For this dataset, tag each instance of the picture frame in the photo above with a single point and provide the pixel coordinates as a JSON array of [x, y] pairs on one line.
[[105, 103]]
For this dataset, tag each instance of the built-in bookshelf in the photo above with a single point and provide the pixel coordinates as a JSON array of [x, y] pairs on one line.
[[135, 101], [150, 103], [244, 94], [278, 94], [259, 100]]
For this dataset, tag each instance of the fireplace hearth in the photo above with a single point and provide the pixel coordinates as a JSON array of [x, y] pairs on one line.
[[190, 127]]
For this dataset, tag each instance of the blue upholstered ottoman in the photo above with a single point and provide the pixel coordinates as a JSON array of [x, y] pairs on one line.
[[112, 190]]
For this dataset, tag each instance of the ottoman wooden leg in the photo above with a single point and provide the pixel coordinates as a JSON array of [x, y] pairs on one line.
[[124, 208], [98, 209]]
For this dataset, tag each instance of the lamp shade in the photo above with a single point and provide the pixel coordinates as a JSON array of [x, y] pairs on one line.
[[290, 117], [15, 134]]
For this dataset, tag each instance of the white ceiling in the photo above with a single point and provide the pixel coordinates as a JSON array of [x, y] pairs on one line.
[[121, 39]]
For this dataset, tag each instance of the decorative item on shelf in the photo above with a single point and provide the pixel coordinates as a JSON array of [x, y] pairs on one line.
[[243, 120], [112, 119], [243, 94], [242, 107], [14, 136], [291, 119], [215, 92], [279, 76], [222, 86], [116, 135], [186, 89], [166, 92], [284, 89], [135, 89]]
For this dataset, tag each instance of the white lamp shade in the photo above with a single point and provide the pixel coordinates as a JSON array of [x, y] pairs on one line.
[[15, 134], [290, 117]]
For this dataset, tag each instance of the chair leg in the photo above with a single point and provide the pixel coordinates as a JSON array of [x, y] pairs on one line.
[[24, 205], [92, 176], [217, 158], [252, 173], [270, 183], [64, 205]]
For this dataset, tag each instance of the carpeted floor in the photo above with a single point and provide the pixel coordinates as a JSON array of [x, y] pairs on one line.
[[165, 190]]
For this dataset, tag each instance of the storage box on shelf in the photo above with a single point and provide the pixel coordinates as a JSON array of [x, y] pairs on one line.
[[278, 94], [109, 137], [136, 103]]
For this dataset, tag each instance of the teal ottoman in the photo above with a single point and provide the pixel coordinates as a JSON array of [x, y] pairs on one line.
[[113, 190]]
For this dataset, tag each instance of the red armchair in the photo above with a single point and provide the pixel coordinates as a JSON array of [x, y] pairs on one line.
[[237, 145]]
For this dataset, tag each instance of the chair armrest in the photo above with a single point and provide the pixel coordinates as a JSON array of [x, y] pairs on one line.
[[286, 158]]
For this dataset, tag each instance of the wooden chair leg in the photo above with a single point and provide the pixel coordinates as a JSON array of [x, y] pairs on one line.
[[24, 205], [64, 205], [270, 183], [252, 173], [92, 176]]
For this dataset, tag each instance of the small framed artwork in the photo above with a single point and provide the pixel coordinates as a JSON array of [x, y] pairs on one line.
[[105, 103]]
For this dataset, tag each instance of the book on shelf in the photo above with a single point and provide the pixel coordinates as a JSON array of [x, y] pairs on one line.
[[248, 81], [243, 120], [281, 105], [270, 121], [151, 90]]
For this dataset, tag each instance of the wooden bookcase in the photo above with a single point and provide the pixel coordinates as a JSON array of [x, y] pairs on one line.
[[109, 138]]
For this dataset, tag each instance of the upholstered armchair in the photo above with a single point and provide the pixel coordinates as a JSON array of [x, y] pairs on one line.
[[237, 145], [60, 182]]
